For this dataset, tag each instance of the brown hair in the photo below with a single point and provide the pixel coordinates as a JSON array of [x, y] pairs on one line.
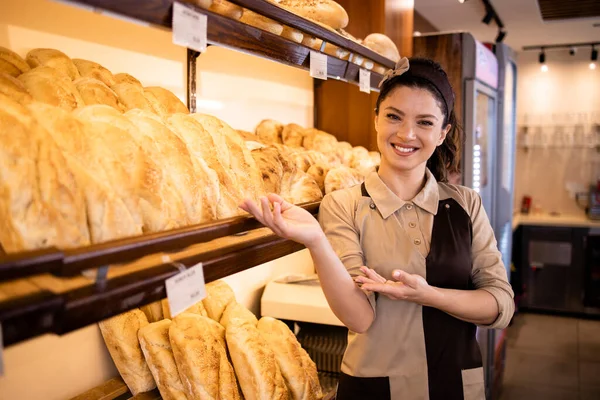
[[446, 157]]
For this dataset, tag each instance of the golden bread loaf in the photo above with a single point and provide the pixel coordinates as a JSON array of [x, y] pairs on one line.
[[197, 308], [41, 204], [164, 101], [55, 59], [201, 359], [383, 45], [49, 86], [90, 69], [218, 296], [342, 178], [94, 91], [298, 370], [156, 347], [107, 215], [315, 139], [126, 78], [235, 313], [11, 63], [14, 89], [327, 12], [299, 187], [318, 172], [206, 151], [261, 22], [227, 9], [255, 365], [268, 162], [191, 186], [292, 34], [269, 131], [131, 95], [153, 311], [120, 334], [292, 135]]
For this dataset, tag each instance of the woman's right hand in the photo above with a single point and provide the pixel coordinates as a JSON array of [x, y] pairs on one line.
[[286, 220]]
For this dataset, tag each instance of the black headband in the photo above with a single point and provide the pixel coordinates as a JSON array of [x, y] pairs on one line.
[[423, 69]]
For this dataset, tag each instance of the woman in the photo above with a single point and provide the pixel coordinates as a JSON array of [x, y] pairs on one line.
[[431, 269]]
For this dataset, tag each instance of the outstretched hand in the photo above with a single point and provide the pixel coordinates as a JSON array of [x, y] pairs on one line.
[[405, 286], [285, 219]]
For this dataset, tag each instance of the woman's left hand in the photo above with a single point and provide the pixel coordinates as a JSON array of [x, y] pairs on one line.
[[405, 286]]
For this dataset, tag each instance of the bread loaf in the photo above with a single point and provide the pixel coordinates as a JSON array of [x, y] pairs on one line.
[[227, 9], [359, 153], [14, 89], [318, 172], [341, 178], [258, 374], [292, 135], [107, 215], [153, 311], [54, 59], [90, 69], [298, 370], [192, 186], [40, 202], [93, 91], [268, 162], [11, 63], [345, 150], [205, 150], [164, 102], [136, 177], [197, 308], [261, 22], [292, 34], [315, 139], [235, 313], [132, 96], [327, 12], [201, 359], [218, 296], [49, 86], [299, 187], [269, 131], [156, 346], [126, 78], [120, 334], [383, 45]]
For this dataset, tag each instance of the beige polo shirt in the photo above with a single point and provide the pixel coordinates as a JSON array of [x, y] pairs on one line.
[[386, 233]]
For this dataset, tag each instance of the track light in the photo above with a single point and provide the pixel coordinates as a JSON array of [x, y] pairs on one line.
[[572, 51], [542, 59], [501, 36], [593, 58], [489, 15]]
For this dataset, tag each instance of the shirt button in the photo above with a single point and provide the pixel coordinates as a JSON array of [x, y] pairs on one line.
[[412, 224], [409, 206], [417, 241], [372, 206]]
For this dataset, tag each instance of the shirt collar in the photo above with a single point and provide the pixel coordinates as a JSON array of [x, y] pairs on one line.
[[388, 203]]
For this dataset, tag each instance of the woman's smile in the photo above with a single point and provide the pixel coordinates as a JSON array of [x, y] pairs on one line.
[[403, 150]]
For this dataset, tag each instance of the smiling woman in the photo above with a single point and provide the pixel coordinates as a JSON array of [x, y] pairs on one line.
[[430, 269]]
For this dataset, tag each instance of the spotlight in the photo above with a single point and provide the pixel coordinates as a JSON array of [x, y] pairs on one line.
[[542, 60], [572, 51], [593, 58], [501, 36], [489, 15]]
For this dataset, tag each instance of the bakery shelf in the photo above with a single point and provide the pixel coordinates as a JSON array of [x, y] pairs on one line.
[[63, 305], [73, 262], [226, 32]]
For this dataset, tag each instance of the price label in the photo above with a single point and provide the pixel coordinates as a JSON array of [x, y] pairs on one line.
[[364, 79], [185, 289], [318, 65], [189, 27]]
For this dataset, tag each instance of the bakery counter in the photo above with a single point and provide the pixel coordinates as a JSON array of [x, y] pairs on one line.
[[566, 220]]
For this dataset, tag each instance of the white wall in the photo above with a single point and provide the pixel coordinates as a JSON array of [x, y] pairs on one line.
[[566, 99], [238, 88]]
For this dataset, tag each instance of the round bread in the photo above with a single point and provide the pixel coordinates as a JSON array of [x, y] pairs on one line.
[[383, 45], [269, 131], [341, 178], [90, 69], [94, 91], [14, 89], [327, 12], [54, 59], [318, 172], [292, 135], [11, 63]]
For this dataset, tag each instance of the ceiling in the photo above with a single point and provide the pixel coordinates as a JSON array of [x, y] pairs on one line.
[[522, 19]]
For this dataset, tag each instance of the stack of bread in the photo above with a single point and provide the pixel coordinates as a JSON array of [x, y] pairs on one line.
[[326, 13], [216, 349], [333, 165], [88, 156]]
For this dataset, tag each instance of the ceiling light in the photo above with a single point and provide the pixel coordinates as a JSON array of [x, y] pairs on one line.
[[593, 58], [542, 59], [572, 51], [501, 36]]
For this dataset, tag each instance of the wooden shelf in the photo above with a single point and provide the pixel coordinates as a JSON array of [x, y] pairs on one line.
[[53, 310], [236, 35]]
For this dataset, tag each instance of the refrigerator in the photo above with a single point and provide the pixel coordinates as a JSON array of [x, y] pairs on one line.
[[473, 70]]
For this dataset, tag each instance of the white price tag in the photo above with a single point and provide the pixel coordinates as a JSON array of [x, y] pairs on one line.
[[189, 27], [185, 289], [364, 79], [318, 65]]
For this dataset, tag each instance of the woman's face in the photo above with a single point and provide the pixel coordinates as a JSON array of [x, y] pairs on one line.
[[409, 128]]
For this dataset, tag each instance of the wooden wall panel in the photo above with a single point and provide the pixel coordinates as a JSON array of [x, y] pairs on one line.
[[341, 109]]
